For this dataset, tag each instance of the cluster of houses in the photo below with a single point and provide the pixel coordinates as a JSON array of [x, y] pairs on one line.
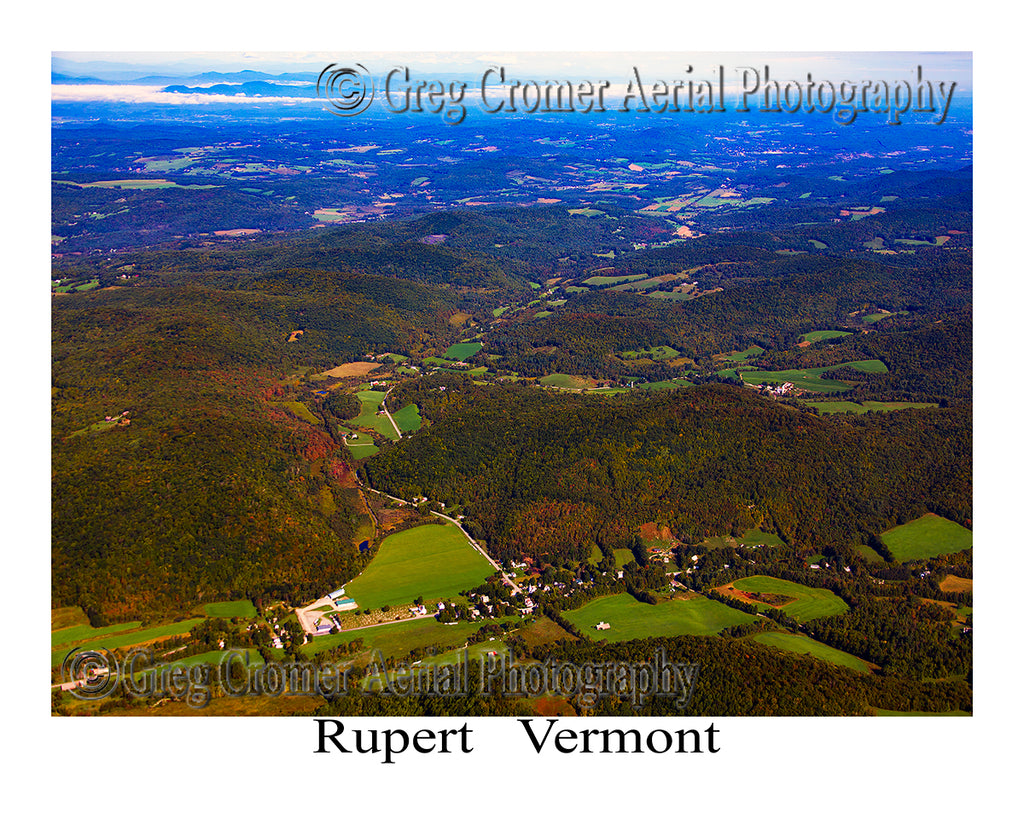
[[122, 419], [778, 391]]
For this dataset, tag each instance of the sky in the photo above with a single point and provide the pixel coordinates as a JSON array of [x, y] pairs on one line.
[[836, 66]]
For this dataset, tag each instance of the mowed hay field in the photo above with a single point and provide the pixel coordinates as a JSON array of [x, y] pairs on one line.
[[430, 561], [928, 536], [808, 604], [230, 608], [632, 620], [111, 637], [801, 644], [463, 350], [399, 639]]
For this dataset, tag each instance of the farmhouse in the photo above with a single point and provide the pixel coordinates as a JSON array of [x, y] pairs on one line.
[[602, 626]]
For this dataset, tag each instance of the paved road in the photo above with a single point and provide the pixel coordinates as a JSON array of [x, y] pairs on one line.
[[383, 406]]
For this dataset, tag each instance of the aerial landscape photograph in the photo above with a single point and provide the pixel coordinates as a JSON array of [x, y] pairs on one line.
[[423, 409], [432, 372]]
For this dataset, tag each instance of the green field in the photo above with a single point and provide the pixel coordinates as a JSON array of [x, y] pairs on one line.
[[368, 418], [432, 561], [361, 447], [928, 536], [598, 281], [85, 637], [809, 603], [869, 554], [754, 537], [871, 318], [821, 335], [800, 644], [829, 407], [463, 350], [408, 418], [662, 353], [134, 184], [398, 639], [811, 379], [566, 382], [230, 608], [751, 352], [664, 385], [299, 410], [477, 651], [632, 620], [622, 557]]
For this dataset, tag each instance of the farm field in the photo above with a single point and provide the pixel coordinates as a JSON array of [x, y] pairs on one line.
[[363, 446], [801, 644], [811, 379], [431, 561], [662, 353], [871, 318], [752, 351], [352, 368], [928, 536], [622, 557], [543, 631], [632, 620], [566, 382], [61, 642], [399, 639], [754, 537], [463, 350], [230, 608], [598, 281], [408, 418], [821, 335], [299, 410], [368, 418], [830, 407], [808, 604], [134, 184], [477, 652]]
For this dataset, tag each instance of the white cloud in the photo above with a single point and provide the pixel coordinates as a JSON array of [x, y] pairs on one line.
[[155, 94]]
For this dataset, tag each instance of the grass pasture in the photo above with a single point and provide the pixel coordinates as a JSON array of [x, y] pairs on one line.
[[801, 644], [812, 379], [463, 350], [928, 536], [823, 335], [111, 637], [661, 353], [433, 561], [831, 407], [368, 418], [398, 639], [230, 608], [809, 602], [408, 418], [362, 447], [543, 631], [753, 351], [632, 620], [601, 281], [299, 410], [566, 382], [755, 537]]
